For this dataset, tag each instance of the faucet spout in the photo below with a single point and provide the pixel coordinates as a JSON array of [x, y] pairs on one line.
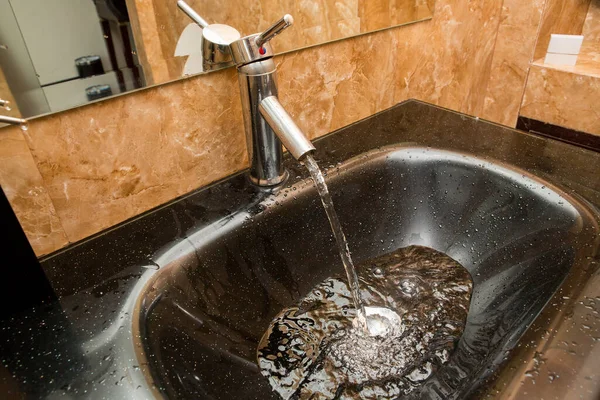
[[285, 128], [12, 120]]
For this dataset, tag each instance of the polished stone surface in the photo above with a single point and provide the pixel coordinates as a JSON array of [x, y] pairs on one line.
[[567, 96], [571, 136], [158, 24], [512, 53], [104, 163], [80, 347], [563, 17], [563, 97], [25, 189], [591, 28], [114, 160], [588, 63]]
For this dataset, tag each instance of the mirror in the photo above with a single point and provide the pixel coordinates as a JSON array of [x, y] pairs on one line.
[[59, 54]]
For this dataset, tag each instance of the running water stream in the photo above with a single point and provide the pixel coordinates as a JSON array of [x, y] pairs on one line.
[[340, 238]]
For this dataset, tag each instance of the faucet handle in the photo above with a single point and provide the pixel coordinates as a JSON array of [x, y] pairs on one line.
[[286, 21], [257, 47], [190, 12], [216, 53]]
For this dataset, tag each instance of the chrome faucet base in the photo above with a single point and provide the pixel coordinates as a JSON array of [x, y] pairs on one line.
[[268, 183], [258, 81]]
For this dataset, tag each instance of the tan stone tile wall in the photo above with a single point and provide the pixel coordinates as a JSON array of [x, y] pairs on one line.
[[513, 52], [563, 98], [591, 28], [157, 24], [103, 163], [26, 191], [563, 95], [561, 16]]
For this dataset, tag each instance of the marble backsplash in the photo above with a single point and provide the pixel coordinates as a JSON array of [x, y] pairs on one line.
[[561, 16], [158, 24], [78, 172], [567, 96]]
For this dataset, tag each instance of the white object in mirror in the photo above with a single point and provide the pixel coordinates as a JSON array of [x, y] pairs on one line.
[[190, 45], [563, 49]]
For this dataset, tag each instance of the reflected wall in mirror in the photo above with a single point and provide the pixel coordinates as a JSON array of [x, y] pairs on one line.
[[59, 54]]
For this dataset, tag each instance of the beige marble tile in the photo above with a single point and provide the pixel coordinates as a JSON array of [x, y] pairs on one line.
[[107, 162], [110, 161], [145, 31], [337, 84], [563, 98], [447, 61], [591, 28], [588, 62], [157, 24], [24, 188], [560, 16], [515, 44]]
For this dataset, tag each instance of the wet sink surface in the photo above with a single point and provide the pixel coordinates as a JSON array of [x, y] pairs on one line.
[[202, 315]]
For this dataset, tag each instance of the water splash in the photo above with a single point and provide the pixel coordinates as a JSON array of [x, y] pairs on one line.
[[315, 349]]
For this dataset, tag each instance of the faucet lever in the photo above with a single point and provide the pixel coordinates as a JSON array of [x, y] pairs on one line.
[[190, 12], [286, 21], [217, 38], [12, 120]]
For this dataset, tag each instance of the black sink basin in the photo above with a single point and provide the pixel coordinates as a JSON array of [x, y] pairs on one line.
[[202, 315]]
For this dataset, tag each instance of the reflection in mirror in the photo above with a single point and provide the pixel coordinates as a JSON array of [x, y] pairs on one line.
[[59, 54]]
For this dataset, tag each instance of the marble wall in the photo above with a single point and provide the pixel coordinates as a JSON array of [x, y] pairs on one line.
[[563, 95], [25, 189], [512, 56], [565, 98], [561, 16], [158, 24], [103, 163], [591, 28]]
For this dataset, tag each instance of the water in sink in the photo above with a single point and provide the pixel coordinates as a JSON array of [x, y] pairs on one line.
[[313, 350], [202, 317], [333, 344]]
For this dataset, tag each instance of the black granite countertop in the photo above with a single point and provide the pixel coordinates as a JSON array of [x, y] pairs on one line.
[[80, 346]]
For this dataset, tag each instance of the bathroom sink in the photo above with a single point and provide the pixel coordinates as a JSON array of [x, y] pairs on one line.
[[201, 316]]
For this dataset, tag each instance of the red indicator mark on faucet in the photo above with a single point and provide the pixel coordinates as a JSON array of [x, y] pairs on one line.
[[262, 51]]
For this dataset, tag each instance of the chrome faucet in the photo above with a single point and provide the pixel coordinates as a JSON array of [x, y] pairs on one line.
[[12, 120], [4, 119], [267, 124]]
